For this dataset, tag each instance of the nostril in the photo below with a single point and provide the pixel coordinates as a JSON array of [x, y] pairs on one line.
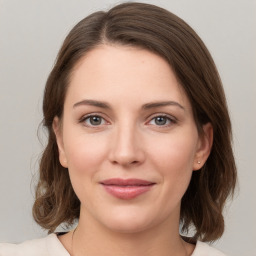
[[125, 162], [125, 151]]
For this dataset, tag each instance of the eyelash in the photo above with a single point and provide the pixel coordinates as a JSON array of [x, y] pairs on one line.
[[170, 120], [87, 117]]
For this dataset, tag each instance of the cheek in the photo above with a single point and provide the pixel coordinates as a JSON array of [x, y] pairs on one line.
[[175, 152], [82, 151], [84, 157], [174, 160]]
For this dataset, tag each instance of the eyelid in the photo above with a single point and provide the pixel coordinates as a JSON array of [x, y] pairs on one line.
[[172, 119], [101, 115]]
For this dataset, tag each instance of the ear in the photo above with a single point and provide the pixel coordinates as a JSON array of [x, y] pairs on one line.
[[56, 126], [205, 141]]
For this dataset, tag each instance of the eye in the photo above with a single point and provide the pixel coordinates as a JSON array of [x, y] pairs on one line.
[[161, 120], [94, 120]]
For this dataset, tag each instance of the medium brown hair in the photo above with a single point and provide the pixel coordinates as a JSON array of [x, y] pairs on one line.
[[159, 31]]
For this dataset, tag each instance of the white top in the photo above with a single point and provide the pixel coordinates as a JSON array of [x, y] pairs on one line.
[[51, 246]]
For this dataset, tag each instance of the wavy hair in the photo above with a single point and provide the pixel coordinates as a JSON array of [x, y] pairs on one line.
[[157, 30]]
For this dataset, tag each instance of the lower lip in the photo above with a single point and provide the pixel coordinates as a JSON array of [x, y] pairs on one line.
[[127, 192]]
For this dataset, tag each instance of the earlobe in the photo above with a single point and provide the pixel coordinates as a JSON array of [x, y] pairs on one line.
[[204, 146], [56, 126]]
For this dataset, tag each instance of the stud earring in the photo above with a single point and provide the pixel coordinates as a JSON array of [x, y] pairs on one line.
[[198, 162]]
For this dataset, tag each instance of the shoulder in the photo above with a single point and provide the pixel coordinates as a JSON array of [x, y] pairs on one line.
[[48, 246], [203, 249]]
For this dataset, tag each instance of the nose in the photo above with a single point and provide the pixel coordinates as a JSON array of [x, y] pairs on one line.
[[126, 146]]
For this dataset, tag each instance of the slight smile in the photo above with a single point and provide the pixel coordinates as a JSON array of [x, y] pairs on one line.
[[126, 188]]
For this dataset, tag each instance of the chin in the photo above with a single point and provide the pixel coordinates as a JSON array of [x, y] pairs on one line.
[[128, 222], [127, 228]]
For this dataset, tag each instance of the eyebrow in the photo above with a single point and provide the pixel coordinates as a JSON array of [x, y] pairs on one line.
[[146, 106], [162, 104], [95, 103]]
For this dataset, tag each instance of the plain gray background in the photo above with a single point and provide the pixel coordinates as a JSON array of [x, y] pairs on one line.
[[31, 33]]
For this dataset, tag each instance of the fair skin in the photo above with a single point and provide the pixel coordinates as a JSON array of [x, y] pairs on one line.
[[113, 128]]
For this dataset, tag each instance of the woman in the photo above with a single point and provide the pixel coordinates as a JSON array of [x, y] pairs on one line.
[[139, 140]]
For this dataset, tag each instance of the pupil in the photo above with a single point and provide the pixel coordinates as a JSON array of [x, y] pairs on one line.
[[161, 120], [95, 120]]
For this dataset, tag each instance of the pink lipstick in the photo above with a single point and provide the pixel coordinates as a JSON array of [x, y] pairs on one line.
[[126, 188]]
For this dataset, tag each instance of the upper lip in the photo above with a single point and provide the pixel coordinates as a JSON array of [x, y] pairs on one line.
[[126, 182]]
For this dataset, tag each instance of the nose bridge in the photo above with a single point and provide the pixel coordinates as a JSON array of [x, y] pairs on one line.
[[126, 147]]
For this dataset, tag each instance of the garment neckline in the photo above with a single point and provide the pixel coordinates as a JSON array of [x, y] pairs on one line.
[[60, 245], [54, 245]]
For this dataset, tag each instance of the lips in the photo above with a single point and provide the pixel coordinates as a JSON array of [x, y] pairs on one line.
[[127, 188]]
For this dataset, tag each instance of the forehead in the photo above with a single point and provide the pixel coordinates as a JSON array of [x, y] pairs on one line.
[[124, 73]]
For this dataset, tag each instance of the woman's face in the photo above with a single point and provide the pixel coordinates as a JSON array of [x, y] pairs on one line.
[[128, 139]]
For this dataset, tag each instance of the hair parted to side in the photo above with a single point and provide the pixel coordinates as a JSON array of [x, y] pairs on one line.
[[156, 29]]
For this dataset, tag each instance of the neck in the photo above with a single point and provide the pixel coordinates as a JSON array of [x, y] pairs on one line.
[[93, 239]]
